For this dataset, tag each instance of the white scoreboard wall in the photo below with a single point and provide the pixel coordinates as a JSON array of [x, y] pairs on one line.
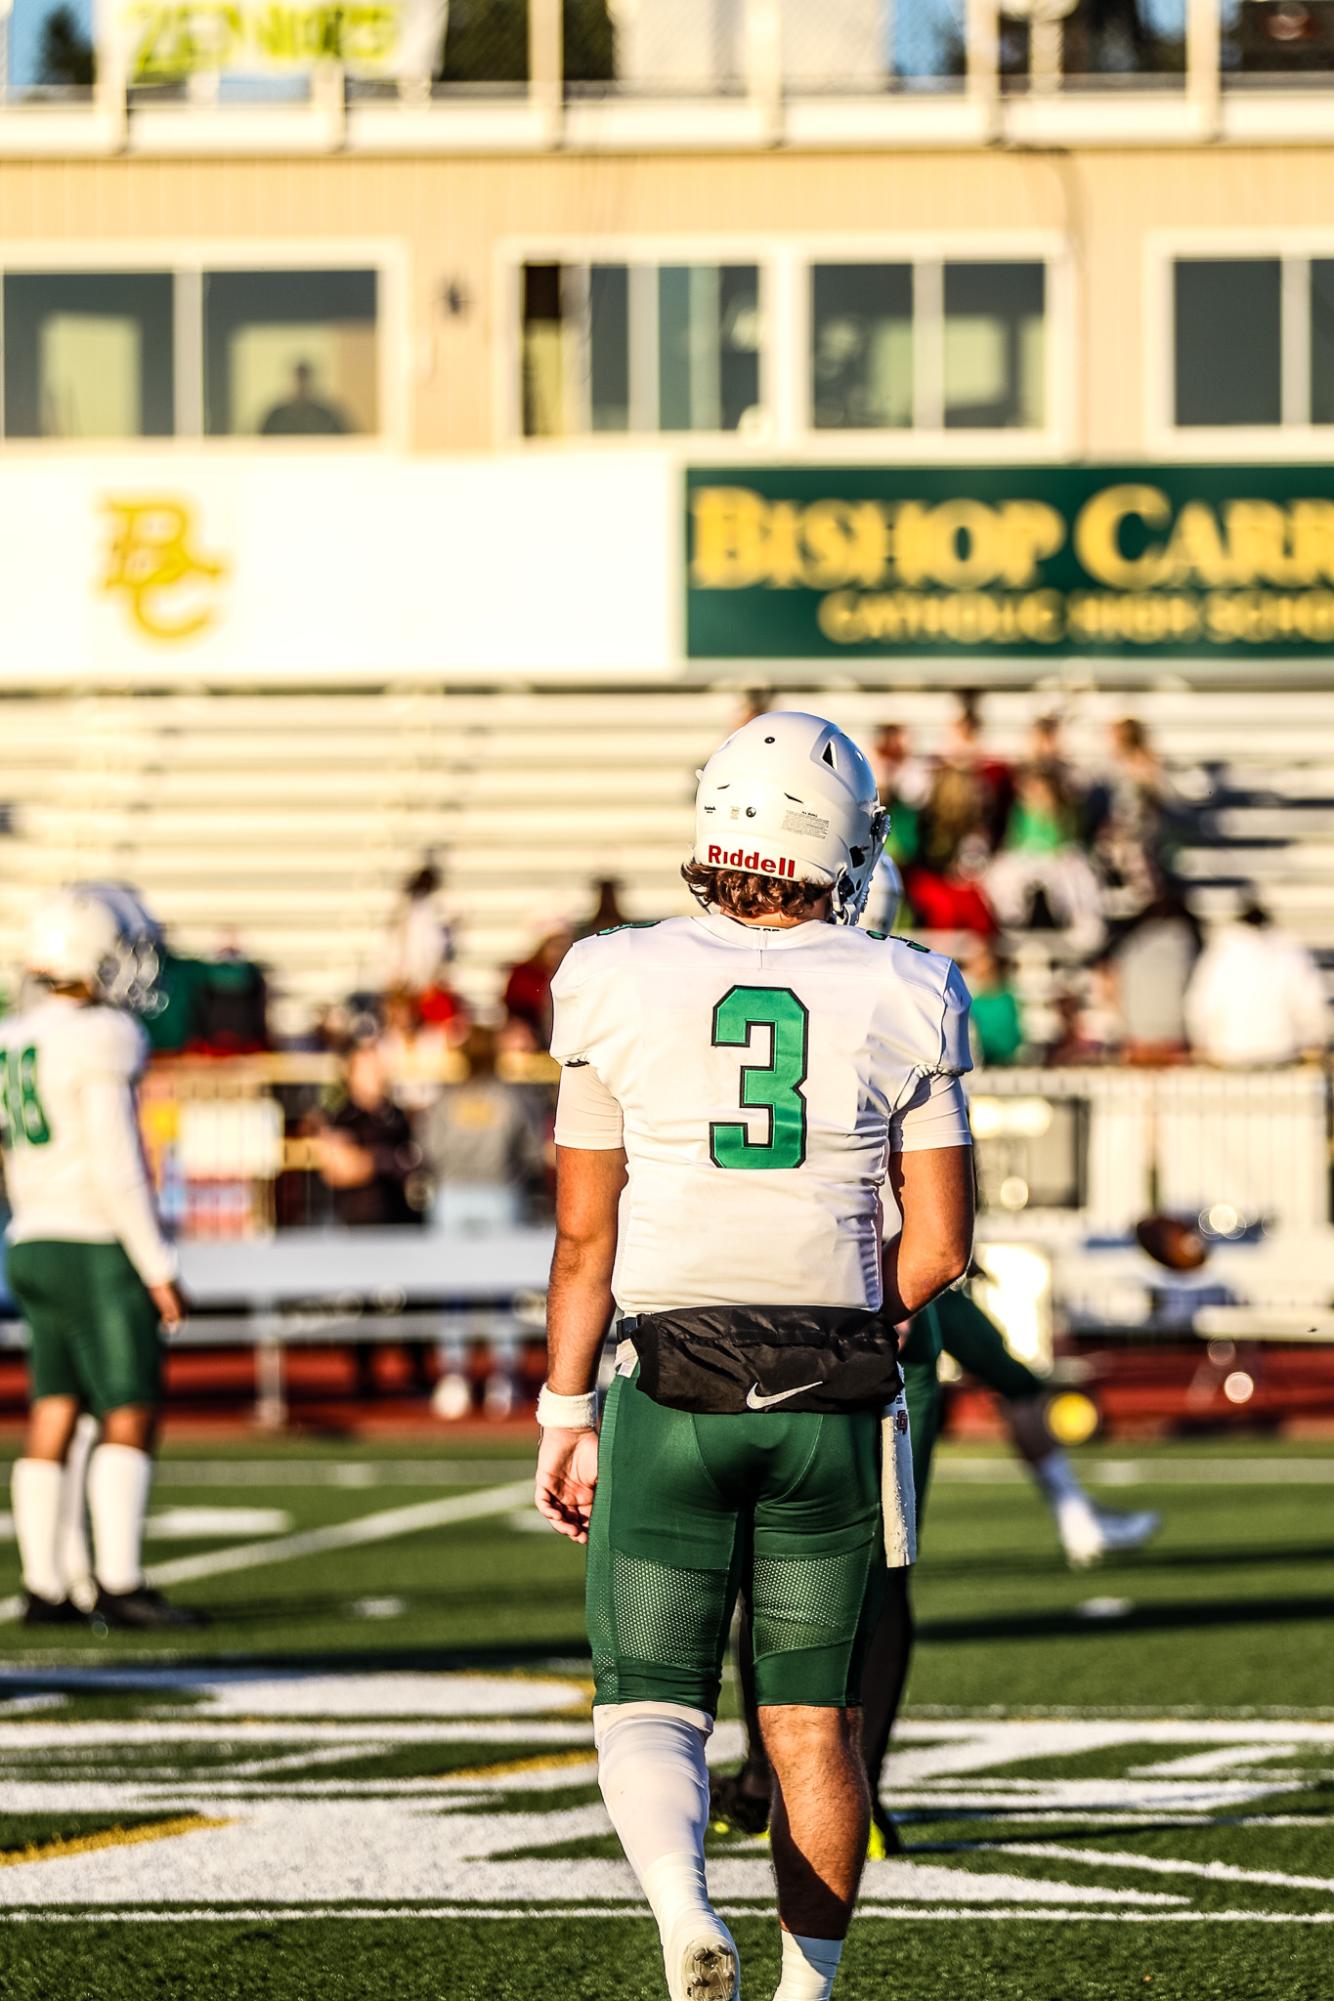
[[310, 567]]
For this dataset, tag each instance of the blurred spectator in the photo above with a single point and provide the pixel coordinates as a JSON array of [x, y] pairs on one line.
[[303, 414], [606, 913], [365, 1150], [961, 823], [903, 782], [421, 939], [235, 1004], [1043, 879], [527, 994], [483, 1149], [1256, 996], [1047, 752], [1151, 964], [1081, 1030], [370, 1164], [997, 1022], [1136, 816], [414, 1052]]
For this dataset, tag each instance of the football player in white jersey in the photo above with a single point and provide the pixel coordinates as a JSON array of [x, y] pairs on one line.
[[737, 1089], [87, 1262]]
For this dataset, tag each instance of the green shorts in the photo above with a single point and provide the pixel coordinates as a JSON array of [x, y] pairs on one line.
[[94, 1330], [688, 1507]]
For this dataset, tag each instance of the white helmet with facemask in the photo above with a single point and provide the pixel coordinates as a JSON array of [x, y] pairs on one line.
[[789, 795], [98, 935]]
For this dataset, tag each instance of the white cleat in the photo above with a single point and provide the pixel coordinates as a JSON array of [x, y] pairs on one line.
[[702, 1961], [1089, 1533]]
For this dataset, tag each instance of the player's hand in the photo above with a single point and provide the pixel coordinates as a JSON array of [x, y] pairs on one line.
[[567, 1475], [171, 1305]]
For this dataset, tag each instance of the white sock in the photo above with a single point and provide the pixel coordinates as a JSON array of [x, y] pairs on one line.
[[809, 1966], [1058, 1479], [34, 1489], [73, 1546], [654, 1780], [119, 1478]]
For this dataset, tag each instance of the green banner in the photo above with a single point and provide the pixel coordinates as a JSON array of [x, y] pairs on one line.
[[1175, 562]]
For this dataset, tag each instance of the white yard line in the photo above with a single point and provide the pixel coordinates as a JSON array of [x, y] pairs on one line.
[[1161, 1865], [383, 1526], [1180, 1472], [973, 1914]]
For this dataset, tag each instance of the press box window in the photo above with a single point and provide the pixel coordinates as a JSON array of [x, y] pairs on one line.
[[862, 347], [290, 353], [639, 348], [88, 354], [1228, 357], [929, 345], [995, 346]]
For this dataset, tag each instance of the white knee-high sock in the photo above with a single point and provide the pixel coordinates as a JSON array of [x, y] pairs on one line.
[[119, 1477], [653, 1777], [74, 1548], [809, 1966], [34, 1489]]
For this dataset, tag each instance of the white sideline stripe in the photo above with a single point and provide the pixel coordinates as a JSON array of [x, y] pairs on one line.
[[1161, 1865], [972, 1914], [381, 1527], [1181, 1472]]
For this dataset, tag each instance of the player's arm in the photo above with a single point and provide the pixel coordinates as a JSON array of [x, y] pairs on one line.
[[579, 1302], [590, 1174], [934, 1190], [931, 1164], [111, 1129]]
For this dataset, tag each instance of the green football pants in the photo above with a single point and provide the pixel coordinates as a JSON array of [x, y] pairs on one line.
[[690, 1508]]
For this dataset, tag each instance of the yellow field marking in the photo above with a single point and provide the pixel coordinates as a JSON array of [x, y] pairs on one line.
[[515, 1767], [110, 1837]]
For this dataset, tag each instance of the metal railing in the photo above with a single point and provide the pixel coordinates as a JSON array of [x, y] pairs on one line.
[[232, 1157], [758, 72]]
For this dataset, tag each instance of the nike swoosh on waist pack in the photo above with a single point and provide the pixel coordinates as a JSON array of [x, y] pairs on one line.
[[754, 1401]]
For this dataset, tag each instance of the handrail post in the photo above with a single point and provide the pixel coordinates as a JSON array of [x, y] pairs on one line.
[[982, 58], [546, 65], [1204, 63]]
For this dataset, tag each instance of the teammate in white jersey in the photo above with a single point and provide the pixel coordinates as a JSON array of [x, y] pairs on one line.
[[737, 1088], [87, 1262]]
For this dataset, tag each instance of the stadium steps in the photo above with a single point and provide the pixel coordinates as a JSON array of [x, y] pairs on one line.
[[291, 819]]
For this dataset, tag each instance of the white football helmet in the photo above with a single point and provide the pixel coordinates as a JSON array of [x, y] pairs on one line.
[[96, 934], [790, 795]]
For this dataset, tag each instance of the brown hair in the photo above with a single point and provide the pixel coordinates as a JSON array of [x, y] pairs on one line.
[[740, 894]]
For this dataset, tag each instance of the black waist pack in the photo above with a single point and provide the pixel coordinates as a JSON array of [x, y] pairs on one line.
[[730, 1359]]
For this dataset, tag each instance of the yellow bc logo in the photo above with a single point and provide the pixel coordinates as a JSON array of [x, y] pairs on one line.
[[170, 590]]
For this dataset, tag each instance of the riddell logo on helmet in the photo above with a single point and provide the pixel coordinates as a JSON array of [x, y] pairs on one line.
[[740, 858]]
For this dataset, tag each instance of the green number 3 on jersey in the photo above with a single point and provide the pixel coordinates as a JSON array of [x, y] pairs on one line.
[[774, 1087], [22, 1114]]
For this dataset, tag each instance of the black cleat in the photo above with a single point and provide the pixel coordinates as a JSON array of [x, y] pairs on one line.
[[140, 1610], [50, 1611], [735, 1808]]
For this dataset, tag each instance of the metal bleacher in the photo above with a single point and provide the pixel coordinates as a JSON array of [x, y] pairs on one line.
[[288, 821]]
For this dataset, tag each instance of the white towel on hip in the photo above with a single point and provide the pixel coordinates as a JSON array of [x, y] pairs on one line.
[[898, 1495]]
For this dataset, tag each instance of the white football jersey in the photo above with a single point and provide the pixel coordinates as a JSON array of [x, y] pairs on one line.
[[74, 1165], [758, 1072]]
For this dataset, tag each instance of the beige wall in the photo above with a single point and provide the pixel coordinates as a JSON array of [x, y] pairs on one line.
[[448, 214]]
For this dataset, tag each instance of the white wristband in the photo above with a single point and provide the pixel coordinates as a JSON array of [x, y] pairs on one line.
[[558, 1413]]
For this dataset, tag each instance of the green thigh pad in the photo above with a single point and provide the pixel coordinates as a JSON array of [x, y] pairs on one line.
[[978, 1346], [688, 1507], [94, 1329]]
